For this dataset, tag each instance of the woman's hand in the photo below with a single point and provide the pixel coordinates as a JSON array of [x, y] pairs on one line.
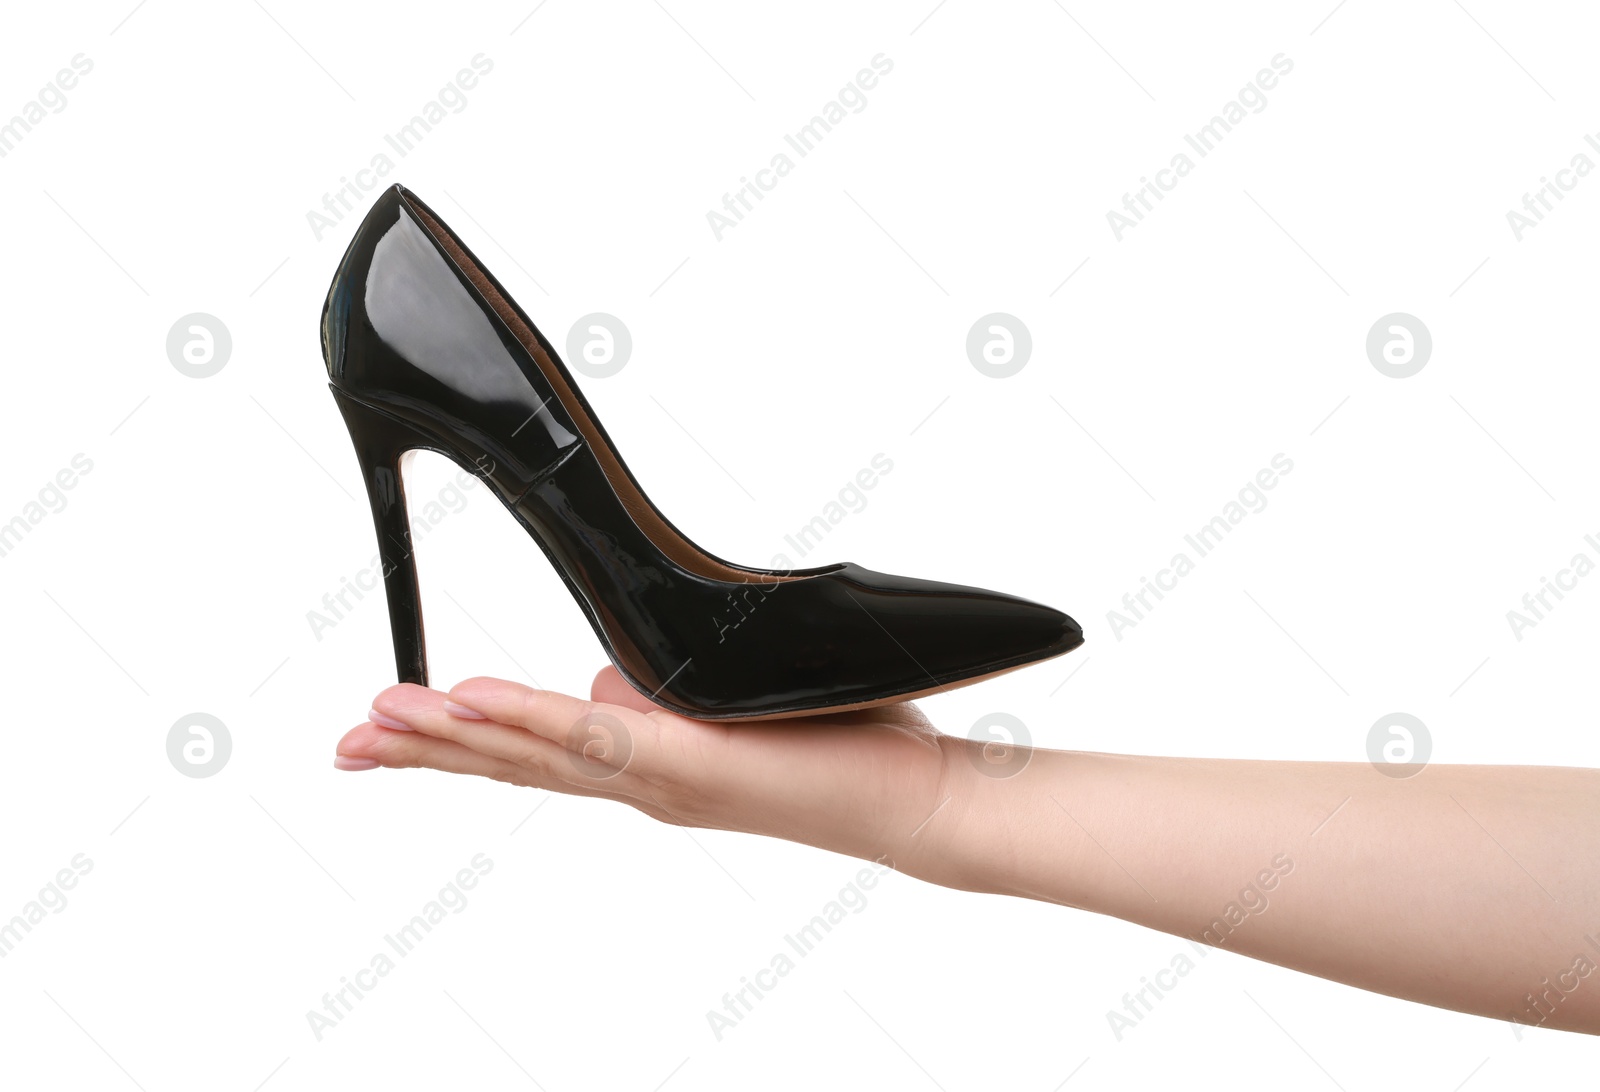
[[1467, 887], [863, 783]]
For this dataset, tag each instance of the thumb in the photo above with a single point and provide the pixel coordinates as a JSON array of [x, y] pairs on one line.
[[612, 689]]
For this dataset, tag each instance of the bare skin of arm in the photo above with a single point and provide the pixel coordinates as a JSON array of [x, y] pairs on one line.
[[1475, 888]]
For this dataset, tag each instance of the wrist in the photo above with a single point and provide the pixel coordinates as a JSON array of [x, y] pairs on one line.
[[954, 837], [1001, 825]]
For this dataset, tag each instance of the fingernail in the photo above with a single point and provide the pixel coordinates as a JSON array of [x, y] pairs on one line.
[[456, 709], [387, 722], [348, 762]]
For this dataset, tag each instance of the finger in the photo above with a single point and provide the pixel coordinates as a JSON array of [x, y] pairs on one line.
[[544, 712], [368, 746], [408, 707], [395, 750], [411, 708], [610, 734]]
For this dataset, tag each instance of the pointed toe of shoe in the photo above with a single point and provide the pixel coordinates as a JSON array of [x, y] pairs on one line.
[[952, 632], [988, 632], [1067, 633]]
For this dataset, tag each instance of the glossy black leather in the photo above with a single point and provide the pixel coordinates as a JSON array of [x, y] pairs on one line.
[[418, 358]]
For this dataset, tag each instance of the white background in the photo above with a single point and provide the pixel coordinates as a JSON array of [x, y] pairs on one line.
[[826, 328]]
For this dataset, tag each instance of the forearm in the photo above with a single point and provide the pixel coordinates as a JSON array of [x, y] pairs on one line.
[[1466, 887]]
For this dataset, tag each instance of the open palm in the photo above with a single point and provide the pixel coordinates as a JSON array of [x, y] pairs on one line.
[[859, 782]]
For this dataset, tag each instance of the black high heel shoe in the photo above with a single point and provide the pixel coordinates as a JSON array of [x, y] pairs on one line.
[[425, 349]]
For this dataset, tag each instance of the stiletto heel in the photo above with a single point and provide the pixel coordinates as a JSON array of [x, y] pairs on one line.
[[425, 349], [381, 443]]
